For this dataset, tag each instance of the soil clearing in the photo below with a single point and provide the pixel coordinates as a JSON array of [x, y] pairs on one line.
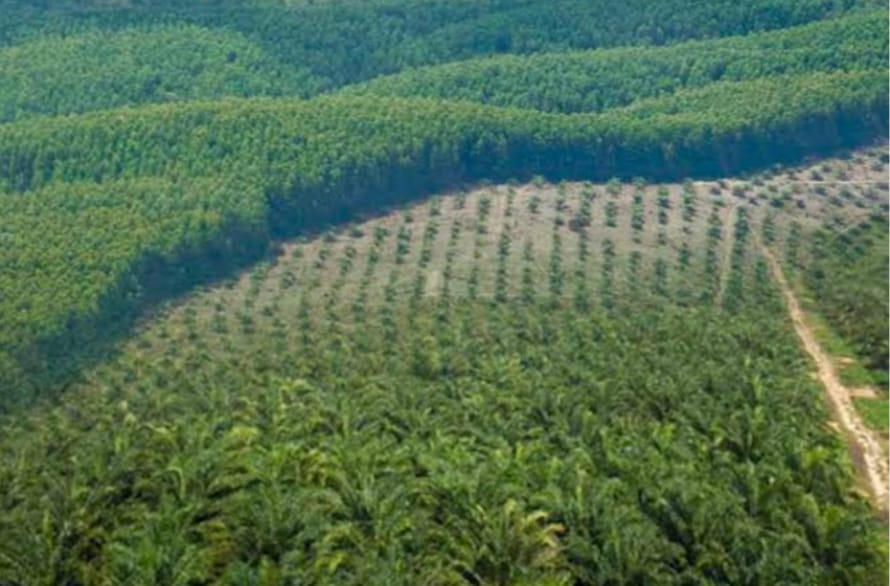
[[867, 453]]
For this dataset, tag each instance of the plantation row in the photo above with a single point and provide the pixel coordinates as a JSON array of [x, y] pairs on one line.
[[527, 243], [594, 81], [285, 166], [580, 245], [255, 436]]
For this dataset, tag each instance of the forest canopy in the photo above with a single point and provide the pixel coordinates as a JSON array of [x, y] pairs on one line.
[[640, 416], [703, 108]]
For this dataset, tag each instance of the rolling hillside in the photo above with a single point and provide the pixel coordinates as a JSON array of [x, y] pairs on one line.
[[384, 402], [425, 292], [96, 71], [284, 165], [593, 81]]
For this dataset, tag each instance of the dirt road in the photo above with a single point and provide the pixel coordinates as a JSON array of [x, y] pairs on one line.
[[867, 454]]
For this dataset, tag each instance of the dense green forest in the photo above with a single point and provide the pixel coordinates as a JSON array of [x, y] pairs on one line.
[[96, 71], [346, 41], [593, 81], [470, 408], [104, 248], [174, 52]]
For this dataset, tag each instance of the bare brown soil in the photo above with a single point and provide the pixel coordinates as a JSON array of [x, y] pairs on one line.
[[866, 450], [863, 393]]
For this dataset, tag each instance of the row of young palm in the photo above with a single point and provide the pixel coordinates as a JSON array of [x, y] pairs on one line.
[[413, 255], [409, 257]]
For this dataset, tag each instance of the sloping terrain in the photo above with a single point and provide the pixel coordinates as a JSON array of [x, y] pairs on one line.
[[98, 71], [442, 292], [344, 41], [592, 81], [494, 386], [863, 442], [298, 165]]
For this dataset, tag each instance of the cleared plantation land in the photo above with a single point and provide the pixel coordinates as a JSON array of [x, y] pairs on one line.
[[625, 247], [253, 176], [528, 384], [340, 293], [494, 243], [592, 244]]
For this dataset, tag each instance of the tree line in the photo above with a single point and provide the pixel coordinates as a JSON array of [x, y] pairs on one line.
[[302, 164], [592, 81], [347, 41]]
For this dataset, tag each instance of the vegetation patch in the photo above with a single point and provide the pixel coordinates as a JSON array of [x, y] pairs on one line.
[[398, 292]]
